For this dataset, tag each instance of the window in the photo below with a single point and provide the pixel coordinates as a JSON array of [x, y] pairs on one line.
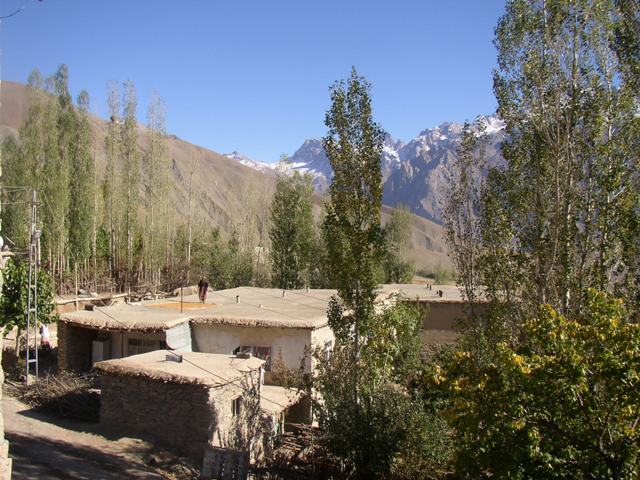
[[328, 349], [236, 405], [136, 346], [263, 353]]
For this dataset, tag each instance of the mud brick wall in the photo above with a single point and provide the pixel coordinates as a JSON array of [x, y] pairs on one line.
[[74, 347], [175, 414]]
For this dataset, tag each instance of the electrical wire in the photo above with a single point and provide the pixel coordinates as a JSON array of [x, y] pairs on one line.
[[184, 359], [262, 307], [226, 380]]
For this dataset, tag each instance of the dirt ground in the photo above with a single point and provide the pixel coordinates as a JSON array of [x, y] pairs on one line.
[[48, 448]]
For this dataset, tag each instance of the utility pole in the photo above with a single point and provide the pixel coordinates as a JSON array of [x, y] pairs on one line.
[[32, 288]]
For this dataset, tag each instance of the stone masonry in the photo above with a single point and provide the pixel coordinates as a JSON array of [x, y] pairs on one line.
[[175, 414], [74, 347]]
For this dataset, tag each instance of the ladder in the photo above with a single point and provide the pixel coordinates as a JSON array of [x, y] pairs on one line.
[[32, 289]]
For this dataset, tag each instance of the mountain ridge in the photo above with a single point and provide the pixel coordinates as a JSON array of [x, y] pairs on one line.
[[413, 173]]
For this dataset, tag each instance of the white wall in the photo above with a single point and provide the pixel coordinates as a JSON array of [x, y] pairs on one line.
[[120, 339], [289, 342], [322, 335]]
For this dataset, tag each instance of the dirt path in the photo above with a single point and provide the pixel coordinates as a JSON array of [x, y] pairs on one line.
[[46, 448]]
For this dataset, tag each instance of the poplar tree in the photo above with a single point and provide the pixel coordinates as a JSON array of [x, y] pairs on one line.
[[292, 231], [397, 236], [157, 167], [110, 185], [352, 230], [365, 419], [558, 218], [130, 175], [82, 185]]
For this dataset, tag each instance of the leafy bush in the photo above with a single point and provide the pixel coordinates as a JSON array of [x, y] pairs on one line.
[[564, 403]]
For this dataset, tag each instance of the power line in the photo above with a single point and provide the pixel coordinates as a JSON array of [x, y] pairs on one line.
[[295, 293], [226, 380], [14, 13], [262, 307]]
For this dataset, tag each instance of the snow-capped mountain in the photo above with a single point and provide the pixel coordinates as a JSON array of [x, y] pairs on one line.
[[263, 167], [413, 173]]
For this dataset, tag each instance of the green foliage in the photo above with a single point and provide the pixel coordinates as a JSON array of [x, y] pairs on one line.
[[81, 184], [130, 175], [14, 298], [557, 218], [230, 266], [292, 233], [388, 430], [562, 404], [352, 234], [397, 237], [371, 416], [15, 208]]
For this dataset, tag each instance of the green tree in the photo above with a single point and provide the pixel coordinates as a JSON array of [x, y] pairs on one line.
[[369, 414], [352, 232], [110, 186], [56, 176], [562, 404], [292, 232], [14, 298], [557, 217], [15, 208], [397, 236]]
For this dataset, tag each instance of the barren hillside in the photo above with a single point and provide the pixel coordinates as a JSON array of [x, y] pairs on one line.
[[224, 191]]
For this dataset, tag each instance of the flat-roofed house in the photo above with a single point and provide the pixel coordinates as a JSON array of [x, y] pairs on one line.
[[445, 312], [271, 324], [192, 401]]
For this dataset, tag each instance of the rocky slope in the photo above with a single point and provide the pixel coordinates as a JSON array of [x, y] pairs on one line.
[[413, 173]]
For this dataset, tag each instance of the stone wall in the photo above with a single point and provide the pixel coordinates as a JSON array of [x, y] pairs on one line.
[[177, 415], [187, 417], [250, 429], [5, 461], [74, 347]]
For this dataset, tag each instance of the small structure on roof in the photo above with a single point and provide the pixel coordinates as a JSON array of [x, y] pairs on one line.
[[193, 401]]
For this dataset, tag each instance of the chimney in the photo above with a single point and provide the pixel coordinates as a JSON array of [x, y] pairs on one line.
[[173, 357]]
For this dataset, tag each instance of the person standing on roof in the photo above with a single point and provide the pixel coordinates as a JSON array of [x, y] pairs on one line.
[[203, 286]]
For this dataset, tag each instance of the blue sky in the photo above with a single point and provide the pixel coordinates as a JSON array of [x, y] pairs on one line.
[[253, 76]]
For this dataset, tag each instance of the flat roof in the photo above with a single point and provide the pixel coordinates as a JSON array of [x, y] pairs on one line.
[[275, 399], [422, 293], [242, 306], [209, 369]]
